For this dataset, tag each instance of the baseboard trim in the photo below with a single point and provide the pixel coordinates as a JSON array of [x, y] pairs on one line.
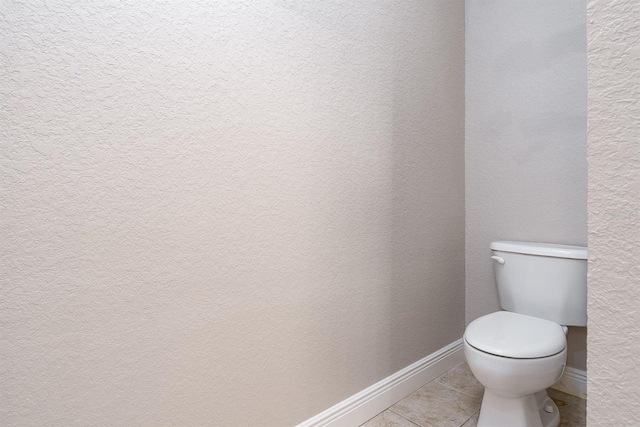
[[364, 405], [573, 382]]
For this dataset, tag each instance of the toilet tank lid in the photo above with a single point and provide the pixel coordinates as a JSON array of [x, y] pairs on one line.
[[543, 249]]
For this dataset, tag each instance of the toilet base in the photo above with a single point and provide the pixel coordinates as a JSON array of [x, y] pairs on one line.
[[526, 411]]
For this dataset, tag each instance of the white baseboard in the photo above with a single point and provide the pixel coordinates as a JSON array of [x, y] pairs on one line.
[[366, 404], [573, 382]]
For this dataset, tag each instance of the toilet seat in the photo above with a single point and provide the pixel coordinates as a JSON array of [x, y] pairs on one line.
[[515, 336]]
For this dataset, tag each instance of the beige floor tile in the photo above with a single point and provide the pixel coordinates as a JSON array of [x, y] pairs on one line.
[[388, 419], [437, 405], [461, 378], [573, 410], [454, 400], [473, 421]]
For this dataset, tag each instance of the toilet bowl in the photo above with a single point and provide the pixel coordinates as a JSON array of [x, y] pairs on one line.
[[518, 353], [531, 355]]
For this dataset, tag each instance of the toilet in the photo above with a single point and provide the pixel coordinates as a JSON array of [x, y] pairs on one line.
[[518, 353]]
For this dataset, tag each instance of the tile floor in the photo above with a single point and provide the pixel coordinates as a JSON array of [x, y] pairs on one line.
[[453, 400]]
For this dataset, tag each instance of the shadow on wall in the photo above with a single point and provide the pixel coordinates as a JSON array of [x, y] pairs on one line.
[[426, 298]]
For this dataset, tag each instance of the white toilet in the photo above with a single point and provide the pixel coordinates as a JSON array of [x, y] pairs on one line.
[[518, 353]]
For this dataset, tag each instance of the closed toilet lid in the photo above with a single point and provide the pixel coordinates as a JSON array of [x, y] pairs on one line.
[[515, 335]]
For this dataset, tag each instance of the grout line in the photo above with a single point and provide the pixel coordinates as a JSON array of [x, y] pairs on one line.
[[404, 418], [474, 414], [458, 390], [465, 421], [454, 388]]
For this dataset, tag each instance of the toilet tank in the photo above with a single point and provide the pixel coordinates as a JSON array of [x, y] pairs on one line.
[[543, 280]]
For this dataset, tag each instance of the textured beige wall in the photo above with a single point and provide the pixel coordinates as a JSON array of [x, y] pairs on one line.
[[229, 213], [614, 213], [526, 124]]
